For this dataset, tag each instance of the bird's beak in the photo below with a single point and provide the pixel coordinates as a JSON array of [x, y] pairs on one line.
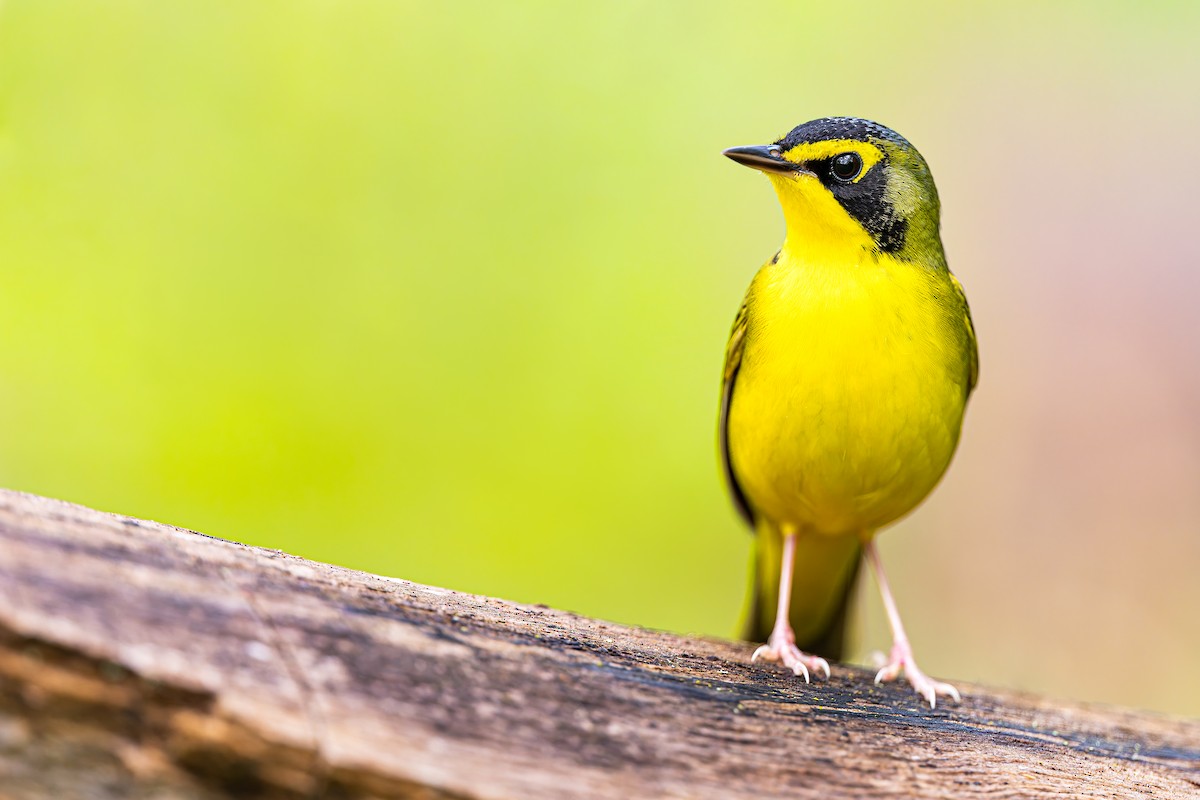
[[765, 157]]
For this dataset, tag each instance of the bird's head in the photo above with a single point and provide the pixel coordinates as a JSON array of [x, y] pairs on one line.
[[847, 182]]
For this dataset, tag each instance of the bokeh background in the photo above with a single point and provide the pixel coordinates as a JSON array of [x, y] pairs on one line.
[[441, 291]]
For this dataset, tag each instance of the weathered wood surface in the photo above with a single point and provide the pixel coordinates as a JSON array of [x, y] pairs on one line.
[[139, 660]]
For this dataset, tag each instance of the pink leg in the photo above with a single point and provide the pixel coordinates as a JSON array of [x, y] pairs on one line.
[[902, 655], [781, 646]]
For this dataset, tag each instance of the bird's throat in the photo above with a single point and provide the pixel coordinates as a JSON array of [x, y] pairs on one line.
[[818, 227]]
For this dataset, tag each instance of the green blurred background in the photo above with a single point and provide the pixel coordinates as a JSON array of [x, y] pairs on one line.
[[441, 291]]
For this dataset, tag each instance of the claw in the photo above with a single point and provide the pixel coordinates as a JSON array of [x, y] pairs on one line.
[[889, 673], [780, 648], [902, 660], [821, 664], [902, 655], [781, 645]]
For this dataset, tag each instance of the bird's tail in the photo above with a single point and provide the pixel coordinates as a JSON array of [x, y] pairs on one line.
[[825, 572]]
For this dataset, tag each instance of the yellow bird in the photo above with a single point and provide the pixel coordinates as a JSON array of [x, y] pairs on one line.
[[846, 377]]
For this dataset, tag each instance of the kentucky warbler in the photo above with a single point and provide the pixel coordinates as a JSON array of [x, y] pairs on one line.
[[846, 377]]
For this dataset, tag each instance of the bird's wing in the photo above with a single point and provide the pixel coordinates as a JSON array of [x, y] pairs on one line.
[[973, 363], [733, 361]]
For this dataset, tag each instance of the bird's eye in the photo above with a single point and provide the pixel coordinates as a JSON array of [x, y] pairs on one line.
[[846, 167], [775, 152]]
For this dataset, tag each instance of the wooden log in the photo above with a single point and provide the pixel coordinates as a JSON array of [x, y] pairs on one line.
[[139, 660]]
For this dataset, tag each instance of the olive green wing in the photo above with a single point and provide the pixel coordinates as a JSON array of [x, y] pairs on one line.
[[733, 362], [973, 361]]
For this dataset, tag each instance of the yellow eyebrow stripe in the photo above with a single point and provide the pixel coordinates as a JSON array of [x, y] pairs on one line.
[[815, 151]]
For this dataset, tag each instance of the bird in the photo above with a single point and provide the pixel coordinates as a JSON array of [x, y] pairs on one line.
[[847, 375]]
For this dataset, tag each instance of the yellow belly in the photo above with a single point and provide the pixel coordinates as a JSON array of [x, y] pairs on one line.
[[850, 394]]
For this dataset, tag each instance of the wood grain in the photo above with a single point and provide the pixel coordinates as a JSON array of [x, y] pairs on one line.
[[139, 660]]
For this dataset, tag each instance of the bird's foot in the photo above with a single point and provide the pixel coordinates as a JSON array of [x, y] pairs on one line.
[[902, 660], [781, 647]]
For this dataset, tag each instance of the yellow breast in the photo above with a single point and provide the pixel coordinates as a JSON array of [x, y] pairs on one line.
[[851, 390]]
